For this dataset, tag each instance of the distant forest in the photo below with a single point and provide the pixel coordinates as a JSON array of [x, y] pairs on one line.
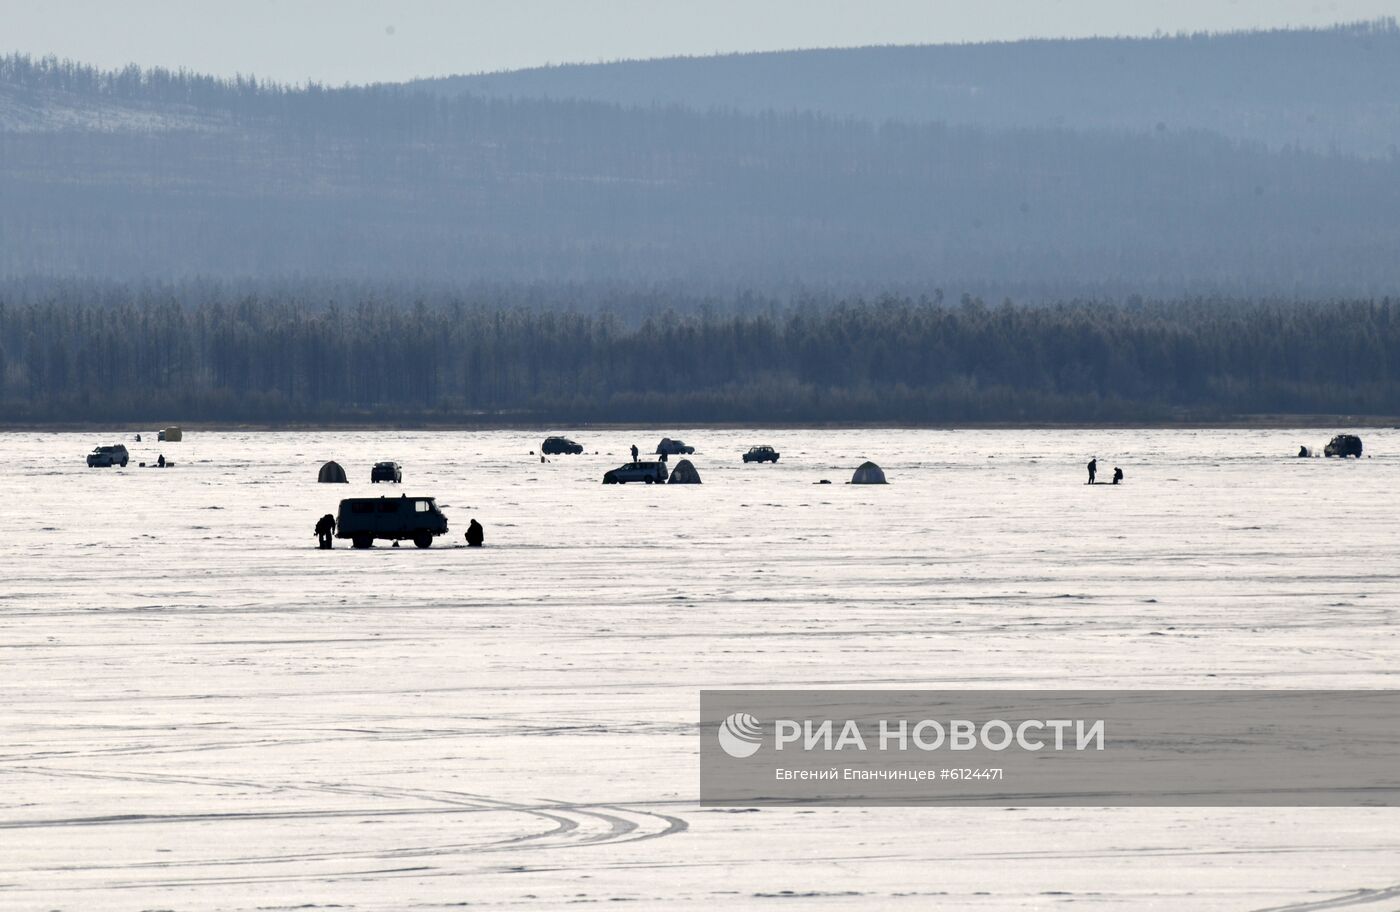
[[132, 354], [1316, 89], [139, 174], [1182, 238]]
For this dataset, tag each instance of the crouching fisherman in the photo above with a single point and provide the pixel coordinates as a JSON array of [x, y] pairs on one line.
[[325, 531], [475, 535], [1117, 474]]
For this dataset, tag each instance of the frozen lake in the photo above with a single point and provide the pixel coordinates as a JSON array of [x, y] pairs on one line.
[[203, 711]]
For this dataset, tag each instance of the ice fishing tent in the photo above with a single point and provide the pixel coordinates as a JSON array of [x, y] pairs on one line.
[[684, 473], [332, 473], [868, 473], [171, 435]]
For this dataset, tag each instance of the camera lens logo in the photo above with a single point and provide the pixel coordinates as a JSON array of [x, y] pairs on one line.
[[741, 735]]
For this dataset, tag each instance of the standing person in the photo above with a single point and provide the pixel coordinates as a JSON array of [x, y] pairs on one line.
[[475, 535], [325, 528], [1093, 468], [1117, 474], [634, 452]]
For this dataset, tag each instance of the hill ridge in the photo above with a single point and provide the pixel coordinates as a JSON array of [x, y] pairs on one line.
[[1315, 88]]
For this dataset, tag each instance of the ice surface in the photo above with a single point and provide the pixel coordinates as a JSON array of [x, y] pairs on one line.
[[203, 711]]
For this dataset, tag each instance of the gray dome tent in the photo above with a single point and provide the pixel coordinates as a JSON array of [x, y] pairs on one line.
[[332, 473], [684, 473], [868, 473]]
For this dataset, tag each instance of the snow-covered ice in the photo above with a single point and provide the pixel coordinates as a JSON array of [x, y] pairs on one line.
[[203, 711]]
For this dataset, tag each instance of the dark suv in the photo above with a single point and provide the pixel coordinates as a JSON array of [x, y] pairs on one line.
[[557, 446], [647, 472], [761, 454], [386, 471], [1343, 445], [669, 447]]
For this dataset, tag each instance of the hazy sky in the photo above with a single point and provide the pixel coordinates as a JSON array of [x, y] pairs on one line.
[[340, 41]]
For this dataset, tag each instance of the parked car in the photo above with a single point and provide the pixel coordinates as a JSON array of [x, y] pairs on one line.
[[105, 457], [1343, 445], [761, 454], [386, 471], [648, 472], [673, 447], [556, 446], [363, 519]]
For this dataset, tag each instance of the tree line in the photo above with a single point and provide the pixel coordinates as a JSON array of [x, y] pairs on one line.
[[136, 354]]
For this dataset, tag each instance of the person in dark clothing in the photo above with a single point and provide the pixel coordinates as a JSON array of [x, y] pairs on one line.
[[663, 458], [475, 535], [634, 452], [1117, 474], [325, 529], [160, 463], [1093, 468]]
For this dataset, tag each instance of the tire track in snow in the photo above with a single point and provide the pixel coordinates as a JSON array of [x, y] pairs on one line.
[[1361, 897], [571, 825]]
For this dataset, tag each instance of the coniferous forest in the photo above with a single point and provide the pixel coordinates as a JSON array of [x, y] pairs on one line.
[[180, 247], [121, 354]]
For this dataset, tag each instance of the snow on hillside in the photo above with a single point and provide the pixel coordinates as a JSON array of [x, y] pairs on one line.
[[25, 110]]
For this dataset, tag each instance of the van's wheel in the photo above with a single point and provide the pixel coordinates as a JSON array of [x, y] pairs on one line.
[[423, 541], [363, 541], [123, 463]]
